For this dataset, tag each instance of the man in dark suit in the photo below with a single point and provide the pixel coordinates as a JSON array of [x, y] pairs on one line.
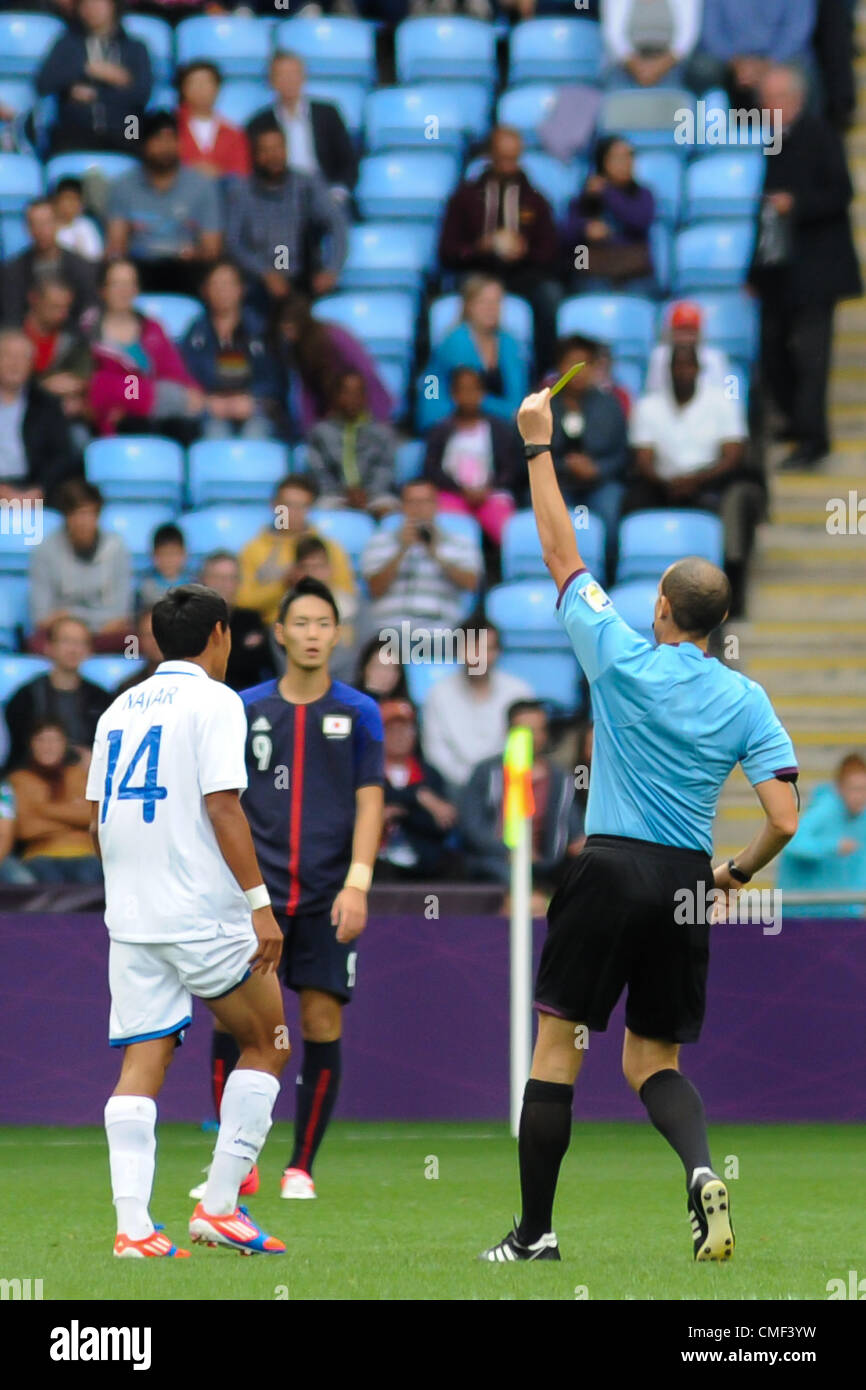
[[316, 138], [45, 257], [36, 451], [804, 262]]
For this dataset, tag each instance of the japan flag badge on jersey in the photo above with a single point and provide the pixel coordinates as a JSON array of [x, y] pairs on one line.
[[337, 725]]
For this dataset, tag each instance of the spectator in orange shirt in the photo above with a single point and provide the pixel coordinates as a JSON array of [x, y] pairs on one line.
[[52, 813]]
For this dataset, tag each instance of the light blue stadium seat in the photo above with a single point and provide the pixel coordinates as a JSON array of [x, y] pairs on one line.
[[17, 544], [521, 548], [173, 312], [223, 528], [731, 322], [453, 48], [383, 321], [635, 602], [724, 185], [136, 522], [20, 181], [551, 676], [14, 610], [18, 94], [136, 468], [445, 314], [331, 46], [410, 461], [350, 529], [388, 257], [525, 614], [661, 171], [526, 108], [438, 116], [649, 118], [109, 672], [394, 374], [421, 676], [235, 470], [348, 97], [458, 523], [414, 184], [25, 40], [555, 50], [110, 163], [14, 235], [16, 670], [162, 98], [238, 101], [712, 255], [650, 541], [661, 242], [158, 39], [625, 322], [557, 181], [239, 45], [630, 375]]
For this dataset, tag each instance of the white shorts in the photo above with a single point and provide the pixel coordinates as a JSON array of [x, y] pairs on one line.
[[152, 983]]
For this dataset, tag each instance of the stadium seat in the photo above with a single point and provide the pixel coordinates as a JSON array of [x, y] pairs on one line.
[[18, 544], [635, 603], [173, 312], [630, 375], [109, 672], [14, 610], [445, 315], [20, 181], [162, 98], [14, 235], [557, 181], [453, 48], [136, 523], [239, 45], [136, 468], [235, 470], [731, 322], [724, 185], [521, 548], [350, 529], [331, 46], [650, 541], [526, 108], [429, 116], [649, 118], [551, 676], [421, 676], [661, 241], [410, 461], [661, 171], [158, 39], [712, 255], [625, 322], [383, 321], [414, 184], [387, 257], [348, 97], [238, 101], [525, 613], [394, 374], [109, 164], [222, 528], [555, 50], [19, 96], [25, 40], [16, 670]]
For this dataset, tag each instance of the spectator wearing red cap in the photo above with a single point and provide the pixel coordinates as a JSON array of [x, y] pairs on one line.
[[685, 325], [418, 817]]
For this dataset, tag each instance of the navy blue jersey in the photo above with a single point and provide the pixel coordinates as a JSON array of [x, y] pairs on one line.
[[304, 765]]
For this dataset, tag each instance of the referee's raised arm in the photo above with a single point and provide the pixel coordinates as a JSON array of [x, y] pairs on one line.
[[559, 547]]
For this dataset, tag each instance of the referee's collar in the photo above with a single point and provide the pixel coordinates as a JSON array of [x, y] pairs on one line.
[[689, 648], [180, 668]]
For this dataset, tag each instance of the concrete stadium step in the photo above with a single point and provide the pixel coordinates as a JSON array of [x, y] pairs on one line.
[[797, 638], [817, 600], [851, 314], [846, 386], [814, 675]]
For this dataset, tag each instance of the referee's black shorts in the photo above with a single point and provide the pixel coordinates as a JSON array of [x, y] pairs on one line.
[[613, 924]]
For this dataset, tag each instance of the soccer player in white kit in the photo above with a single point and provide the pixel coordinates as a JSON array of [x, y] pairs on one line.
[[187, 914]]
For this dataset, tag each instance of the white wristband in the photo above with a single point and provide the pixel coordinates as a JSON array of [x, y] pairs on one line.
[[257, 897], [359, 876]]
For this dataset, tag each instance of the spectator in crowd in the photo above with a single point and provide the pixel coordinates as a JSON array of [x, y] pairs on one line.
[[12, 871], [62, 362], [352, 456], [283, 227], [250, 660], [268, 560], [604, 379], [61, 694], [647, 42], [317, 141], [206, 141], [556, 828], [607, 228], [417, 572], [474, 459], [313, 561], [169, 565], [590, 441], [378, 674], [684, 328], [478, 341], [829, 848], [45, 256], [145, 650], [498, 224], [466, 713], [740, 40], [36, 450], [419, 819], [101, 78], [689, 452], [82, 571], [313, 354], [582, 770], [805, 262], [226, 351], [52, 813], [76, 231], [138, 372], [165, 217]]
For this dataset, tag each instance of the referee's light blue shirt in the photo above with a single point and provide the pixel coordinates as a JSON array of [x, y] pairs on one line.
[[670, 725]]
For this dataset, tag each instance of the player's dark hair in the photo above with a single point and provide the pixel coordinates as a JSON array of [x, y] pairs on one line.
[[699, 594], [167, 534], [309, 545], [307, 588], [184, 618], [520, 707]]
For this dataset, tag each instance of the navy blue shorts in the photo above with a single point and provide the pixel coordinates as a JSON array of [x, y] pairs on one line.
[[312, 956]]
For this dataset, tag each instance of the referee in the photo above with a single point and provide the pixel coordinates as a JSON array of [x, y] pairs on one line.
[[670, 724]]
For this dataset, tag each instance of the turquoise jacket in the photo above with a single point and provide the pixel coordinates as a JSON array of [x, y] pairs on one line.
[[458, 349], [810, 862]]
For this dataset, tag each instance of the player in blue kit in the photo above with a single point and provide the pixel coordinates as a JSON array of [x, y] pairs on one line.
[[314, 802]]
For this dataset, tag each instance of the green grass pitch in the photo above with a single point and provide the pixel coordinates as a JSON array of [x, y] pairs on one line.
[[382, 1230]]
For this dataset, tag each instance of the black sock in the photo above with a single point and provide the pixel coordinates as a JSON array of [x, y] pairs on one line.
[[677, 1111], [224, 1054], [545, 1131], [318, 1085]]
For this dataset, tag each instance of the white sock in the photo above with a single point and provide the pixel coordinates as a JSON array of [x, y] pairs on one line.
[[245, 1119], [696, 1172], [130, 1125]]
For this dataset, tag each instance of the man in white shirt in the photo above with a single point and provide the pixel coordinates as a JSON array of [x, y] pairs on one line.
[[188, 915]]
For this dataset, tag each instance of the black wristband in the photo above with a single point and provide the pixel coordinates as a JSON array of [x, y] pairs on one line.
[[532, 451], [738, 875]]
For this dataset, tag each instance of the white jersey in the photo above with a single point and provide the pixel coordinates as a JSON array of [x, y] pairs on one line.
[[159, 749]]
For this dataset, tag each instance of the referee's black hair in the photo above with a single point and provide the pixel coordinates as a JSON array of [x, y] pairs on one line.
[[308, 587], [184, 618], [699, 594]]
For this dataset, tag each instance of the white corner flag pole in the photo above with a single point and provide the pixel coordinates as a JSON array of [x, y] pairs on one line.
[[517, 828]]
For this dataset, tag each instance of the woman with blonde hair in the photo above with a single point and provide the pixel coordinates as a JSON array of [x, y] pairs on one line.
[[480, 342]]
